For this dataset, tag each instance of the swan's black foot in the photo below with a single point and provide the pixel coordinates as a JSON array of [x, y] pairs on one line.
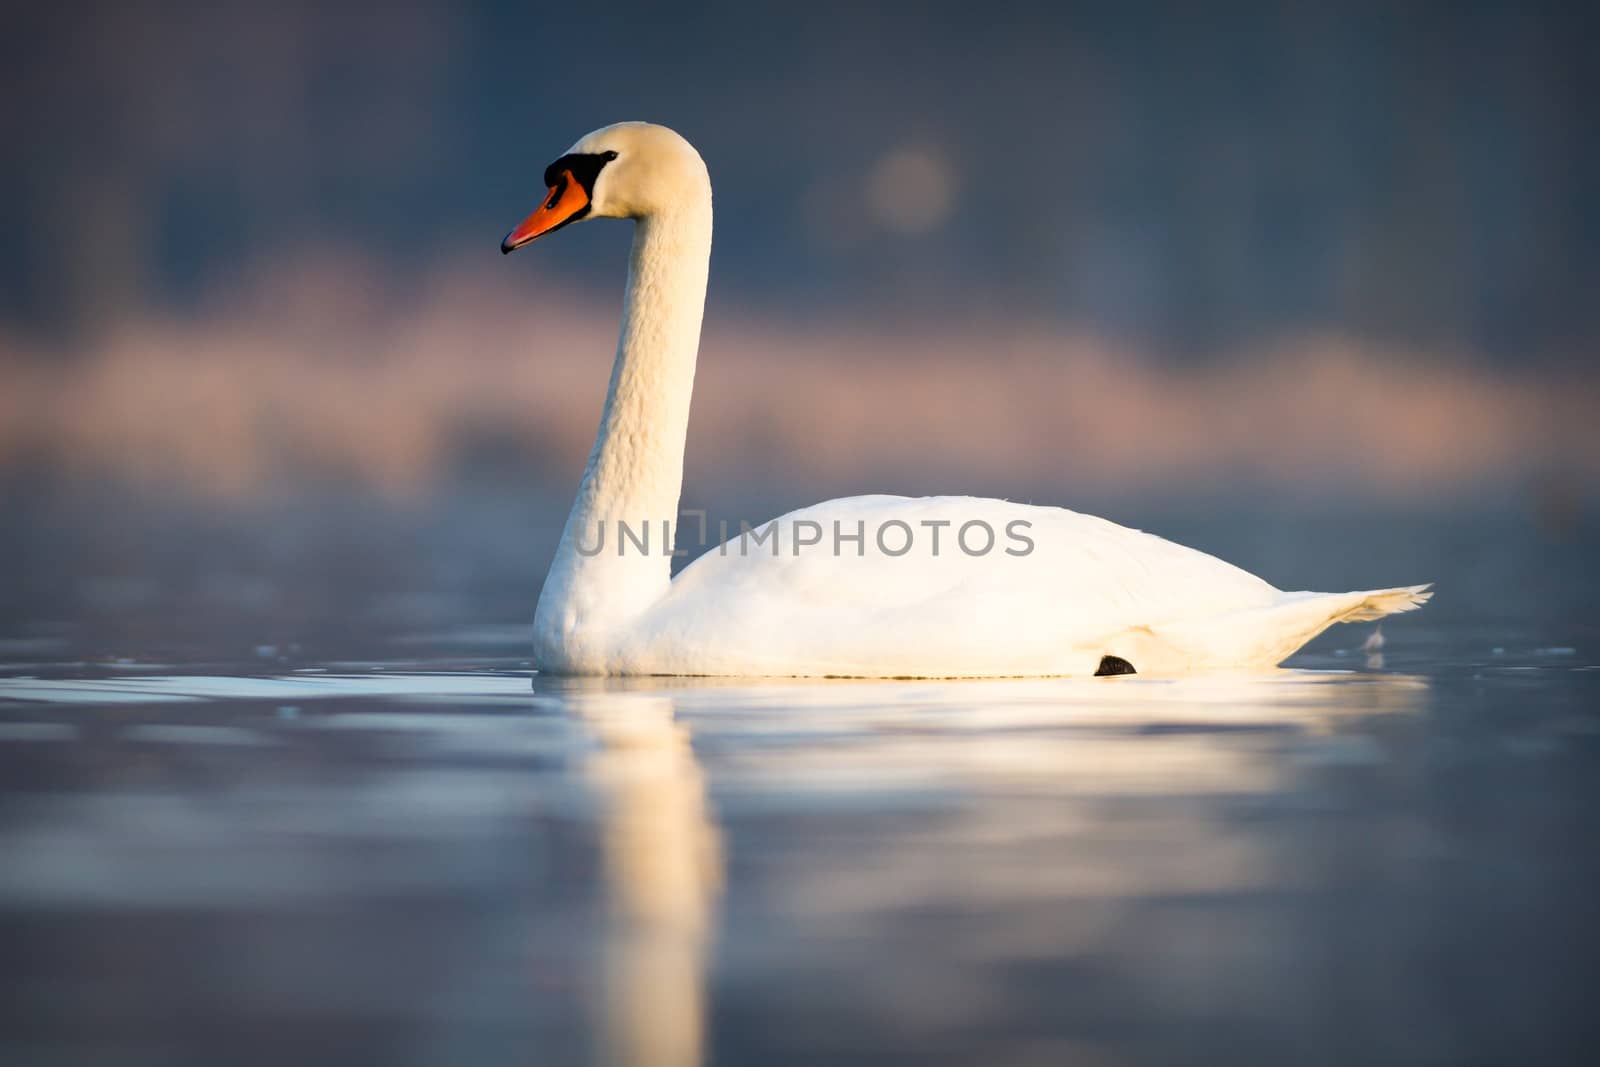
[[1113, 665]]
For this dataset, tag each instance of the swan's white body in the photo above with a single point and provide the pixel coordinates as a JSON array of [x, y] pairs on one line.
[[1051, 596]]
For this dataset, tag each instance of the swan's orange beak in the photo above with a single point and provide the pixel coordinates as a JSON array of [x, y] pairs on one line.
[[566, 202]]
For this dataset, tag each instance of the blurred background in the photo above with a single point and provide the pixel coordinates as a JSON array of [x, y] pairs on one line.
[[260, 355], [286, 444]]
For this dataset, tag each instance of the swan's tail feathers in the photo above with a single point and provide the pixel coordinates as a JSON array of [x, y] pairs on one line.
[[1254, 637], [1380, 602]]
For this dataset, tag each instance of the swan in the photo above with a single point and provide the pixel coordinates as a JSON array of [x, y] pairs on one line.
[[868, 586]]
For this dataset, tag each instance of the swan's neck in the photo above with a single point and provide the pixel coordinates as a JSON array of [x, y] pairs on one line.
[[630, 488]]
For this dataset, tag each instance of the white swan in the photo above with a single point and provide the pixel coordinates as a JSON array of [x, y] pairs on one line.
[[873, 586]]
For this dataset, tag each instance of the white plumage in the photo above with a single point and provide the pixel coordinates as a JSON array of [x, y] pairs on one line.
[[1052, 592]]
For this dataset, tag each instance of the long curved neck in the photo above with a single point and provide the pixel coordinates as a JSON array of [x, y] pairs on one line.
[[631, 486]]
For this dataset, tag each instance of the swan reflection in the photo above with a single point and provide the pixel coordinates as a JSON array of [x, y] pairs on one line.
[[661, 874], [661, 852]]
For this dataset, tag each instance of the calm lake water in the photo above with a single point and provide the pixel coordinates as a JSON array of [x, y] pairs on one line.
[[252, 813]]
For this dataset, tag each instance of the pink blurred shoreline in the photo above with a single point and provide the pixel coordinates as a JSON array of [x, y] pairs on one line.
[[320, 372]]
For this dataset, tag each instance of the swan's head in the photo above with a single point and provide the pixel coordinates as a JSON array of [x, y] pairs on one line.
[[627, 171]]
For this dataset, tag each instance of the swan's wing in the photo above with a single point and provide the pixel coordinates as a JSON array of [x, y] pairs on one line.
[[929, 586]]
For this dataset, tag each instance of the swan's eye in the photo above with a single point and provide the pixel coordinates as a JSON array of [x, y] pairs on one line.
[[609, 156]]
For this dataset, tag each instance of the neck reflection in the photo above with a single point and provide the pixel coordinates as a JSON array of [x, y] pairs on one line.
[[661, 874]]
